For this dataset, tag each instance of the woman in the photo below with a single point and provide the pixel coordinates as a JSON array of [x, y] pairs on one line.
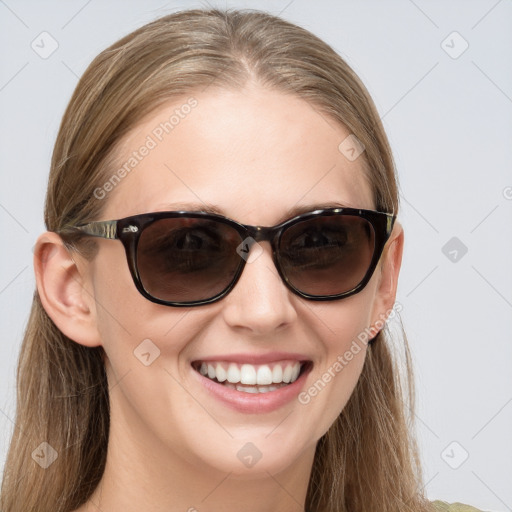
[[222, 254]]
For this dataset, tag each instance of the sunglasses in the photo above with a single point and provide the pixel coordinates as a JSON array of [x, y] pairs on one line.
[[181, 258]]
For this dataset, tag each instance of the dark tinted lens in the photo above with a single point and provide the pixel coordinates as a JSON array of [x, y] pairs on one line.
[[327, 255], [187, 259]]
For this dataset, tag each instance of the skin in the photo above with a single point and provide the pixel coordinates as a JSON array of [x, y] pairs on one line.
[[255, 153]]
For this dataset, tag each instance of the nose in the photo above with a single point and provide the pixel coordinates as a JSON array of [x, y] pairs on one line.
[[260, 302]]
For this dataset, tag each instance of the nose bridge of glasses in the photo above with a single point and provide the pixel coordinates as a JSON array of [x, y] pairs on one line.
[[258, 234], [262, 234]]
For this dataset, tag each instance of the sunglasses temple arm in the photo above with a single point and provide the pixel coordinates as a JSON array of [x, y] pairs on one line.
[[101, 229], [390, 222]]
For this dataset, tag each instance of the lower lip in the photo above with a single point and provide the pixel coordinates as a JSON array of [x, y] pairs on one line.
[[254, 402]]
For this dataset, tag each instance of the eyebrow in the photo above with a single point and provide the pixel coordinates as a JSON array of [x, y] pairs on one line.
[[212, 208]]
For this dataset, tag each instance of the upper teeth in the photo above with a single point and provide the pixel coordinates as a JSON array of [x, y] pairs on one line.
[[285, 371]]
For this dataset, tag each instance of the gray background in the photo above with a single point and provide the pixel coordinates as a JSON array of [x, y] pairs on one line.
[[448, 117]]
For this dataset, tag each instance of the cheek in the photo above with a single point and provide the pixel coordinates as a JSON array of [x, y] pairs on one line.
[[143, 342], [340, 323], [135, 332], [344, 325]]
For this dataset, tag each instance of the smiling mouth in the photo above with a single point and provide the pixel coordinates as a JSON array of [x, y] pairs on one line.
[[252, 378]]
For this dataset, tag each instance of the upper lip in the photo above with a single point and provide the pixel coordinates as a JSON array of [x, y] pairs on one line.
[[269, 357]]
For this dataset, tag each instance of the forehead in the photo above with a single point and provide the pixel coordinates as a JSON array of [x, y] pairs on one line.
[[252, 155]]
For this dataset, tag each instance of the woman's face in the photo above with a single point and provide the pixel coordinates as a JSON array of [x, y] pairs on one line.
[[254, 154]]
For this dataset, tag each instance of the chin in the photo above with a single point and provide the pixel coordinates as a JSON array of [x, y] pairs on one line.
[[259, 458]]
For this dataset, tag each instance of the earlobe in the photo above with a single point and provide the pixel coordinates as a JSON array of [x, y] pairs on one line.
[[391, 262], [64, 291]]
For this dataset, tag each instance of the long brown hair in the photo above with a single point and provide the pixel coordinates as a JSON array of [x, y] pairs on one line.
[[368, 460]]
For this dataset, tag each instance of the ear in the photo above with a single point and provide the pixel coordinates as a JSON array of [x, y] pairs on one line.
[[390, 263], [64, 291]]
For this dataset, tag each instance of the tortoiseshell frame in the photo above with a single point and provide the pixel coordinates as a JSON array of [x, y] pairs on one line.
[[129, 229]]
